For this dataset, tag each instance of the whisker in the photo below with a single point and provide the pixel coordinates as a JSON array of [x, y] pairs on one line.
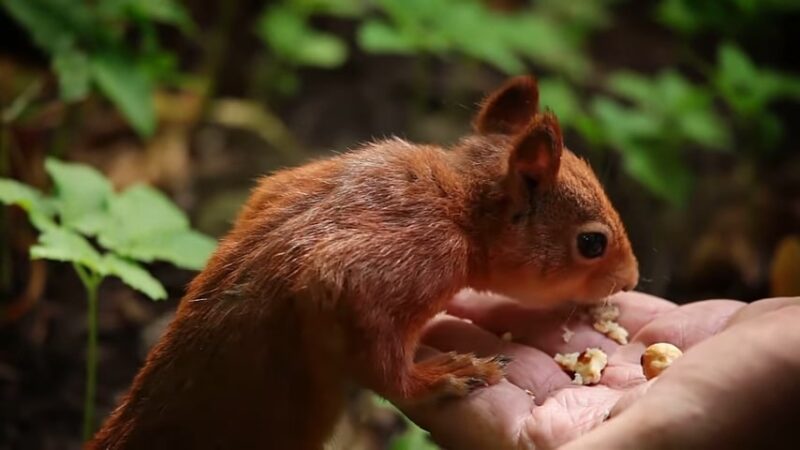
[[571, 313], [607, 299]]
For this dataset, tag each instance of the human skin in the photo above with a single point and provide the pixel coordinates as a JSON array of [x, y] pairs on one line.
[[736, 386]]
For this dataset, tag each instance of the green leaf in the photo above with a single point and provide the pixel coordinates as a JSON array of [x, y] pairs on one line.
[[60, 244], [135, 276], [679, 16], [621, 124], [748, 89], [164, 11], [661, 170], [413, 438], [340, 8], [632, 86], [558, 95], [376, 36], [81, 195], [162, 233], [287, 32], [321, 50], [72, 68], [705, 128], [13, 192], [127, 86], [53, 24]]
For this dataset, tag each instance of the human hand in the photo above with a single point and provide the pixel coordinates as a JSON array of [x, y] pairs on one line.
[[738, 377]]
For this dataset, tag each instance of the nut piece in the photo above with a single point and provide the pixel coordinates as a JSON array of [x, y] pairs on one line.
[[587, 367], [657, 357], [605, 321], [567, 335]]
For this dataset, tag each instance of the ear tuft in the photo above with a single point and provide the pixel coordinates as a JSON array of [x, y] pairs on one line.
[[510, 108], [536, 152]]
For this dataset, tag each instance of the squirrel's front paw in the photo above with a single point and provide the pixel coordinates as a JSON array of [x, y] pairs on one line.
[[461, 374]]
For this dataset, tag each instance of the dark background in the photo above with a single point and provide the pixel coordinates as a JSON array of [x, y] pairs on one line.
[[707, 217]]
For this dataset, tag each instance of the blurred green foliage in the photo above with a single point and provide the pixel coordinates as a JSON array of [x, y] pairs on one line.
[[137, 225], [723, 16], [651, 121], [552, 34], [412, 437], [749, 91], [505, 41], [89, 45]]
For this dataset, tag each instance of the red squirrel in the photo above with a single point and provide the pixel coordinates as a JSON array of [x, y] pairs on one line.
[[333, 268]]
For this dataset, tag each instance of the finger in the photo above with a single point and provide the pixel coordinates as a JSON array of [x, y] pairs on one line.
[[545, 329], [490, 417], [542, 329], [761, 307], [630, 397], [683, 327], [568, 414], [736, 389], [637, 309], [689, 324], [530, 369], [625, 372]]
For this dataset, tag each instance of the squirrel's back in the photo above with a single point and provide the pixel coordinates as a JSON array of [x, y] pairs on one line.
[[314, 243]]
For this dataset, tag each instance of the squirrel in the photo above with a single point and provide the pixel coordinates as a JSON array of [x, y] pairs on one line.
[[333, 268]]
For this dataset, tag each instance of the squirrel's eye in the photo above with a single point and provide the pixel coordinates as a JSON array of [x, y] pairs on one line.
[[592, 245]]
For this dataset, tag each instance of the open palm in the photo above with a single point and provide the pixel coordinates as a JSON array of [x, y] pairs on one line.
[[537, 406]]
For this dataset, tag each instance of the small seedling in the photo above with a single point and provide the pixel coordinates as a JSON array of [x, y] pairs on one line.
[[103, 233]]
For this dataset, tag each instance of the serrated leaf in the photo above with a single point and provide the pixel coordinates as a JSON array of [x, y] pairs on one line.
[[162, 233], [134, 276], [81, 194], [72, 68], [13, 192], [60, 244], [128, 87]]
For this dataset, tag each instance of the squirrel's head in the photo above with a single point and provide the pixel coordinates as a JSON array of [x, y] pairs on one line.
[[548, 231]]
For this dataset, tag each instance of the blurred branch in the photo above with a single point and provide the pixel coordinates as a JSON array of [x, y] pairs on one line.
[[259, 120]]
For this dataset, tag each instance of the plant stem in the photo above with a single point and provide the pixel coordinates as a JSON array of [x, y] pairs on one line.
[[91, 281]]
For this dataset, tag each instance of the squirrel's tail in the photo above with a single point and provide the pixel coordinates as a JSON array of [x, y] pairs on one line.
[[231, 373]]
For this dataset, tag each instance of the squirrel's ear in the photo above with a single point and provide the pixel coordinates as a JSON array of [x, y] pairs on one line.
[[509, 109], [536, 151]]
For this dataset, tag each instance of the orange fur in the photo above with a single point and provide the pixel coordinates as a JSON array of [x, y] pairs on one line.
[[332, 269]]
